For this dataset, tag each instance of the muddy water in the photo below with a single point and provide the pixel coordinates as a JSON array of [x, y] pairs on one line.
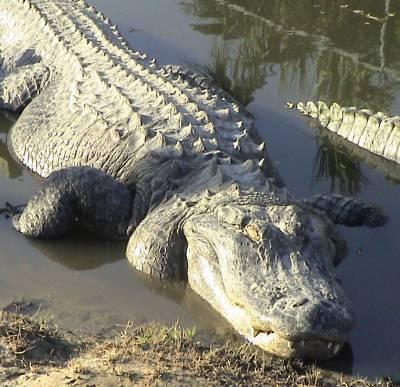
[[264, 53]]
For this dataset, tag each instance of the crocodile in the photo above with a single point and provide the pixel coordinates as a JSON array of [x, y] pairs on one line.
[[160, 157], [376, 132]]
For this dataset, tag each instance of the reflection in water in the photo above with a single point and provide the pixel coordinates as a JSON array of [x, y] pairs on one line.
[[205, 315], [330, 51], [331, 162], [241, 68], [8, 167], [80, 252], [86, 252], [326, 48], [243, 80], [175, 291], [340, 160]]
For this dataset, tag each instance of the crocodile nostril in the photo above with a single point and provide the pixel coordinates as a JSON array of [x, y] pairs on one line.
[[300, 302], [256, 331]]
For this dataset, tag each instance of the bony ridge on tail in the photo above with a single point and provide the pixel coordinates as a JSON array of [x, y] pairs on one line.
[[375, 132]]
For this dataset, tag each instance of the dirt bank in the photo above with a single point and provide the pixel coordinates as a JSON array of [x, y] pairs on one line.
[[34, 352]]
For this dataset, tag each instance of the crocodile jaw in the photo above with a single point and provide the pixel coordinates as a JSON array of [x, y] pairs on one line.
[[268, 340], [305, 349]]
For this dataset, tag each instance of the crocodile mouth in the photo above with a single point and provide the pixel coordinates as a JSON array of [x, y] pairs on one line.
[[316, 349]]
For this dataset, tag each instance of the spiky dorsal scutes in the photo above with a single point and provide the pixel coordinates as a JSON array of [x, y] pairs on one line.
[[106, 97]]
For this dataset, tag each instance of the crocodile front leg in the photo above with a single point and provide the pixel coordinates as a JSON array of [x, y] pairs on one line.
[[77, 195], [158, 246]]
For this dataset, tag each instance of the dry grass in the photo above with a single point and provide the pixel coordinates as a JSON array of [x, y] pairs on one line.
[[168, 349], [32, 341], [32, 351]]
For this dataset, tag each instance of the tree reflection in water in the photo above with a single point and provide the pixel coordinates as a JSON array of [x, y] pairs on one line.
[[332, 51], [331, 162]]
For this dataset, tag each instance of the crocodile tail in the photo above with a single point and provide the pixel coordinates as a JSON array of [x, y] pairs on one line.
[[348, 211], [376, 132]]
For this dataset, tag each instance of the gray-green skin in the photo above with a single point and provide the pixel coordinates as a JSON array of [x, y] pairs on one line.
[[131, 148], [375, 132]]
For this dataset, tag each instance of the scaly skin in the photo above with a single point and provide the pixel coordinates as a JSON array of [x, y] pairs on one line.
[[375, 132], [155, 153]]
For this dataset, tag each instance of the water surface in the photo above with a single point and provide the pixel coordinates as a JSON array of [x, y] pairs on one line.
[[264, 53]]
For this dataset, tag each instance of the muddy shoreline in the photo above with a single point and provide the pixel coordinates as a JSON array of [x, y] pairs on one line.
[[35, 352]]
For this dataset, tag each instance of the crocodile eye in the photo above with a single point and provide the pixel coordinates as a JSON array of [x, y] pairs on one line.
[[254, 232], [258, 231]]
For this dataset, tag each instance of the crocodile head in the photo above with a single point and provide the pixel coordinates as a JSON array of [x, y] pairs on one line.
[[269, 270]]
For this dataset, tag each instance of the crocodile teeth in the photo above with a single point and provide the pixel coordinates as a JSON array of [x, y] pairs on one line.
[[330, 345], [256, 332], [336, 349]]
